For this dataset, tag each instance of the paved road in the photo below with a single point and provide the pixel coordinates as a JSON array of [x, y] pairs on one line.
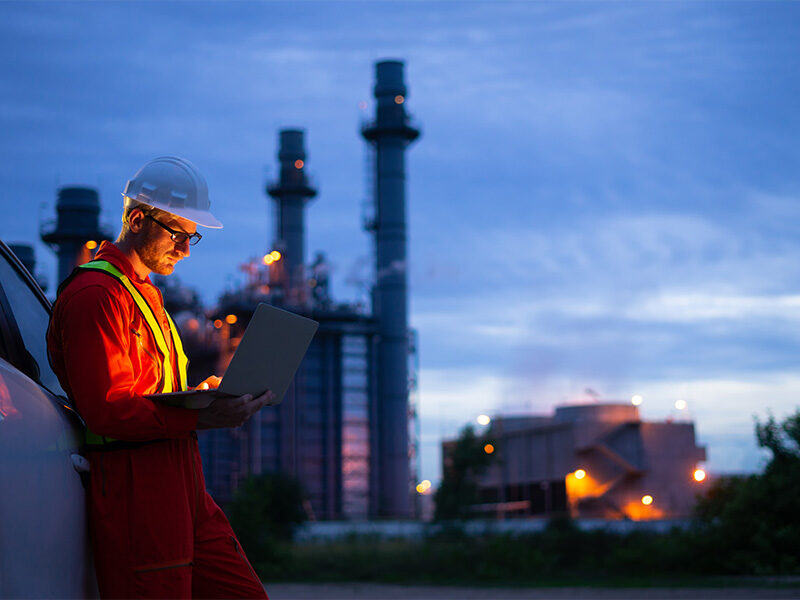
[[370, 591]]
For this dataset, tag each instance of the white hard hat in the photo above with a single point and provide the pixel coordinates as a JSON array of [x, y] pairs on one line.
[[175, 185]]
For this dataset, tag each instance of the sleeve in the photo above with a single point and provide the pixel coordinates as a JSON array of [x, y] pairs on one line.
[[94, 333]]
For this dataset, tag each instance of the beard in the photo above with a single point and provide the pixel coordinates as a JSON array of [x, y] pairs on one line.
[[155, 253]]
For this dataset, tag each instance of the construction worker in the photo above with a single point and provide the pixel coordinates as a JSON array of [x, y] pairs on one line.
[[156, 533]]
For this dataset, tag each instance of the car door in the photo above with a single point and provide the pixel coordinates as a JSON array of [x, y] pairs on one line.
[[44, 546]]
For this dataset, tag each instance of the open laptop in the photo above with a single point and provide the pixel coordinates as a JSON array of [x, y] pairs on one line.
[[267, 358]]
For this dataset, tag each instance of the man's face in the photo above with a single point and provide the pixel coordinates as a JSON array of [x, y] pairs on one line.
[[157, 250]]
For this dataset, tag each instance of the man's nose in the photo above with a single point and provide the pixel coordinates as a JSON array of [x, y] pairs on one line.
[[184, 247]]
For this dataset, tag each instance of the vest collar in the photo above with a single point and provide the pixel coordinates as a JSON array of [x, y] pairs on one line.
[[114, 255]]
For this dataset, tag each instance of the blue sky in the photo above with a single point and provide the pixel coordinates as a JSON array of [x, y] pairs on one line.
[[605, 195]]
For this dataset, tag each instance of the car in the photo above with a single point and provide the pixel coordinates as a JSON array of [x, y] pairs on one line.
[[44, 539]]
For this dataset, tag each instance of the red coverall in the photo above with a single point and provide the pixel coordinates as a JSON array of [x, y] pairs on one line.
[[156, 532]]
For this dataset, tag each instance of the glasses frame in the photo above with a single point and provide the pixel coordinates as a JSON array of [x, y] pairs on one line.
[[179, 237]]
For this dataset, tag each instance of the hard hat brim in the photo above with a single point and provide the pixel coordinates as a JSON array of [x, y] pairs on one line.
[[202, 217]]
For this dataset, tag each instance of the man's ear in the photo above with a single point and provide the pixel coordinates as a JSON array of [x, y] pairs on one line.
[[136, 220]]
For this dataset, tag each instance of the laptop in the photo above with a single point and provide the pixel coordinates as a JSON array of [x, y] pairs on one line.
[[267, 358]]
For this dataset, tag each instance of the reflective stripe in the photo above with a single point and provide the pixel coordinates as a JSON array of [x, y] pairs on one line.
[[183, 361], [167, 374]]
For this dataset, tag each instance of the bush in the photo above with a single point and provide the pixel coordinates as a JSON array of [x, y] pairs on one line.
[[264, 513]]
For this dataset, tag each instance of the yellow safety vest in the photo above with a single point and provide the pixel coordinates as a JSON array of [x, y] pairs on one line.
[[168, 384]]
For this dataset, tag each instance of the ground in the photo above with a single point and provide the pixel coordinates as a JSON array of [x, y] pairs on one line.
[[370, 591]]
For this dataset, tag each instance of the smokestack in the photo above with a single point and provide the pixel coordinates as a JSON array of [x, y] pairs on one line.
[[77, 232], [291, 192], [390, 134]]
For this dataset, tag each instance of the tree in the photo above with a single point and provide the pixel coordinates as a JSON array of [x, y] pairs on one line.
[[752, 524], [464, 461], [265, 510]]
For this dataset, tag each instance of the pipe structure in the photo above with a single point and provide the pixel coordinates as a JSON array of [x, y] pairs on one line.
[[77, 232], [291, 193], [390, 134]]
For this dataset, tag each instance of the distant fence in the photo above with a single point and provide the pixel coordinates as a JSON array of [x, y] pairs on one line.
[[328, 531]]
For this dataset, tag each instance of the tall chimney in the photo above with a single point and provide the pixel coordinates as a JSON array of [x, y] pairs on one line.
[[291, 192], [77, 232], [390, 134]]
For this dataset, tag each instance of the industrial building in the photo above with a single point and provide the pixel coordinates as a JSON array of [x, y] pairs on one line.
[[345, 428], [76, 232], [589, 460]]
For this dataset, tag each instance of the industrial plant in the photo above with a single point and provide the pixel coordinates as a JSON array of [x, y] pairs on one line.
[[346, 427], [595, 460]]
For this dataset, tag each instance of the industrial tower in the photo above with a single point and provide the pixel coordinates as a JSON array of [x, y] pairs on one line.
[[343, 427], [77, 232], [390, 134], [291, 193]]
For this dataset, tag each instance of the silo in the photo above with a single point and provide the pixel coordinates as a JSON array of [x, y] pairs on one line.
[[77, 231], [390, 134]]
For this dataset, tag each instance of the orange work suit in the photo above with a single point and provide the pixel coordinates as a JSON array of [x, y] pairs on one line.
[[156, 532]]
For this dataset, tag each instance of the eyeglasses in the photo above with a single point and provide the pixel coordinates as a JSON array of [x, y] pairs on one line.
[[179, 237]]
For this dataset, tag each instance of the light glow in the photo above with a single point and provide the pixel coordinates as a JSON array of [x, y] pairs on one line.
[[423, 486], [91, 245], [488, 448], [484, 419], [647, 500], [275, 255], [268, 260], [580, 474], [699, 475], [231, 319], [298, 164], [399, 99], [680, 404], [218, 323], [637, 400]]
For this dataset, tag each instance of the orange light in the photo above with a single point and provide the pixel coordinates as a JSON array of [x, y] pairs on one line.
[[298, 164], [268, 260], [488, 448], [423, 486], [580, 474], [91, 245], [217, 323], [699, 475], [231, 319], [275, 255], [399, 99], [647, 500]]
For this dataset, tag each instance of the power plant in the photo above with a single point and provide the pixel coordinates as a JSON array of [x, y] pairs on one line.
[[346, 427], [343, 427]]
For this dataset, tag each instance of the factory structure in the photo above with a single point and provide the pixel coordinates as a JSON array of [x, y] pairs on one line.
[[345, 428], [588, 461]]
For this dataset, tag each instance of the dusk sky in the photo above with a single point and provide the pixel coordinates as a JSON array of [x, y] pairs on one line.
[[604, 201]]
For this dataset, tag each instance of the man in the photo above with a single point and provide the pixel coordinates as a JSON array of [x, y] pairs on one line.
[[156, 533]]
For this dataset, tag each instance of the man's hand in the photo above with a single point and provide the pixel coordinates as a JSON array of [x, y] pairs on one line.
[[210, 383], [232, 412]]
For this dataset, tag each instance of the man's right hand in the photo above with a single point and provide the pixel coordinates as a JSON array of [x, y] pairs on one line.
[[232, 412]]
